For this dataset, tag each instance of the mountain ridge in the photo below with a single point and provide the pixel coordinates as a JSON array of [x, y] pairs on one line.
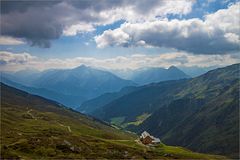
[[165, 98], [33, 127], [82, 82], [152, 75]]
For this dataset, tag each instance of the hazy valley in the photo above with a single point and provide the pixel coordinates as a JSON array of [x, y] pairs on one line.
[[119, 79], [180, 112]]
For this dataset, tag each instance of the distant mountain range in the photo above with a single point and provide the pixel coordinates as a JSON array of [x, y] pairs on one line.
[[148, 75], [152, 75], [68, 86], [72, 87], [200, 113], [195, 71], [83, 80], [141, 76], [68, 100], [192, 71]]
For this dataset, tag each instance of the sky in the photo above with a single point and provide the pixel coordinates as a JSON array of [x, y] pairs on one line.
[[119, 34]]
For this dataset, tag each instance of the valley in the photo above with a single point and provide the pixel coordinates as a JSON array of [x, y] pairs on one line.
[[184, 112], [171, 110], [119, 79], [34, 127]]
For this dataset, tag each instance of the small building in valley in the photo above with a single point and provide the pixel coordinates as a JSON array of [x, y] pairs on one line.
[[147, 139]]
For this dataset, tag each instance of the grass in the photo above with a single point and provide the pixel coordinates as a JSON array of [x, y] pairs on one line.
[[117, 121], [182, 153], [139, 120], [44, 134]]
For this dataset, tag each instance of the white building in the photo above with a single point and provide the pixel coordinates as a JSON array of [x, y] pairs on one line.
[[146, 138]]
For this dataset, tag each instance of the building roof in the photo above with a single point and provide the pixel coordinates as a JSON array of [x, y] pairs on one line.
[[156, 140], [146, 134]]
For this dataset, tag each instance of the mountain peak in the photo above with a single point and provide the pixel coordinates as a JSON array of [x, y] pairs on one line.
[[83, 66], [173, 68]]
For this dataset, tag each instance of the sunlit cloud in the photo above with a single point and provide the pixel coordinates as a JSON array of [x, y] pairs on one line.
[[40, 22], [218, 33], [18, 61], [5, 40]]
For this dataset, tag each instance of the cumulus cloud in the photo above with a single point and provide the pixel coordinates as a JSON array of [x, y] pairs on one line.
[[218, 33], [16, 61], [9, 58], [118, 38], [78, 28], [39, 22], [5, 40]]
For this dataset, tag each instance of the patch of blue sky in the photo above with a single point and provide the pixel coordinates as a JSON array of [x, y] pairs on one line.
[[101, 29], [203, 7]]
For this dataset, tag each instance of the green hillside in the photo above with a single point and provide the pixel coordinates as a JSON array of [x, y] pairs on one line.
[[206, 121], [145, 99], [95, 103], [214, 128], [36, 128], [199, 113]]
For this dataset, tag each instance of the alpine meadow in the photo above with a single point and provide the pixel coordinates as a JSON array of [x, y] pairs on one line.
[[119, 79]]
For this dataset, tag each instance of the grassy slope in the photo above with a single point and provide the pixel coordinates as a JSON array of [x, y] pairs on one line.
[[92, 104], [209, 122], [144, 100], [172, 102], [216, 128], [149, 98], [33, 127]]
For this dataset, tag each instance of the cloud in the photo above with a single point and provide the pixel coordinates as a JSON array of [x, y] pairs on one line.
[[39, 22], [218, 33], [4, 40], [16, 61], [118, 38], [78, 28], [11, 60], [22, 6]]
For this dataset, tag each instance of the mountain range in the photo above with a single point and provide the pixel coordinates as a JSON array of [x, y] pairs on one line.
[[72, 87], [147, 75], [144, 76], [33, 127], [140, 76], [199, 113], [68, 86], [195, 71]]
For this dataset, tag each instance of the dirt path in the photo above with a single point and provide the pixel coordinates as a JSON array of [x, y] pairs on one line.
[[35, 118], [29, 112], [68, 127]]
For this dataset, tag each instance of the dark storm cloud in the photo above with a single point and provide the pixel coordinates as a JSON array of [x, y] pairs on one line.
[[97, 5], [37, 28], [22, 5], [32, 20], [39, 22]]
